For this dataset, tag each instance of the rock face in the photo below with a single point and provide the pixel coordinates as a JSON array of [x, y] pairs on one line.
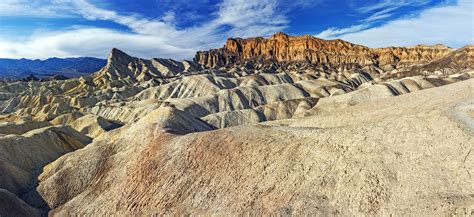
[[459, 59], [284, 125], [410, 56], [282, 47]]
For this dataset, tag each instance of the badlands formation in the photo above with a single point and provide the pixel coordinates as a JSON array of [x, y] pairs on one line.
[[286, 125]]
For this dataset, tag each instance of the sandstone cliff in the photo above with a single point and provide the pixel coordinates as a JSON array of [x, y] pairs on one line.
[[282, 47]]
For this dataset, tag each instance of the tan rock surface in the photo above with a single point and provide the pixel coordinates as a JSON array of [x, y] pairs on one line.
[[22, 157], [20, 127], [332, 164], [66, 119], [93, 125]]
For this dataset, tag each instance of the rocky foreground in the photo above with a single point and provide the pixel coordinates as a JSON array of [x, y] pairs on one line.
[[282, 125]]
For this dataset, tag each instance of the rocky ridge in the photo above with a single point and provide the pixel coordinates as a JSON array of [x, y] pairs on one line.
[[284, 48]]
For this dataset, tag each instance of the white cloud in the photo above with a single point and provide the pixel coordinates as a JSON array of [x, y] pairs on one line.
[[250, 18], [382, 14], [448, 24], [90, 42], [375, 12], [385, 9], [332, 32], [37, 8], [169, 17], [391, 4], [148, 37]]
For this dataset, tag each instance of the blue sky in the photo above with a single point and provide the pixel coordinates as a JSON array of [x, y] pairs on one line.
[[178, 28]]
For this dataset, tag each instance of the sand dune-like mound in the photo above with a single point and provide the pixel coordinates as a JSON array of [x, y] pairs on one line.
[[23, 156], [20, 127], [93, 125], [12, 205], [66, 119]]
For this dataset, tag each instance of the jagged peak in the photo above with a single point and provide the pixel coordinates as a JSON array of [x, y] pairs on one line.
[[280, 35], [116, 54], [116, 51]]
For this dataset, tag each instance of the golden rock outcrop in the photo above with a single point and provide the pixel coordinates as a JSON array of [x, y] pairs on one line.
[[284, 48]]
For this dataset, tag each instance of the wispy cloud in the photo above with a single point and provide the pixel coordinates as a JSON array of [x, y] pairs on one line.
[[38, 8], [379, 15], [449, 24], [331, 32], [149, 37], [375, 13], [251, 17], [391, 4], [90, 42], [386, 8]]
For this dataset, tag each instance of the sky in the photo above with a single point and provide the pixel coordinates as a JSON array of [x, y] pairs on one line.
[[40, 29]]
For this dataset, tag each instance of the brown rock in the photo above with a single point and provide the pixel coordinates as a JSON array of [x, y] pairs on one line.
[[282, 47]]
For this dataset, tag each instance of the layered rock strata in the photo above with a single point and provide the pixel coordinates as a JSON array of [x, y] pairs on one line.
[[284, 48]]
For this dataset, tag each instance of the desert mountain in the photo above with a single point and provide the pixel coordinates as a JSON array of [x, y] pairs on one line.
[[281, 125], [68, 67], [122, 67]]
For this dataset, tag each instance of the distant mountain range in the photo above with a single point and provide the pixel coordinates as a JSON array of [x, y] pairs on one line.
[[68, 67]]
